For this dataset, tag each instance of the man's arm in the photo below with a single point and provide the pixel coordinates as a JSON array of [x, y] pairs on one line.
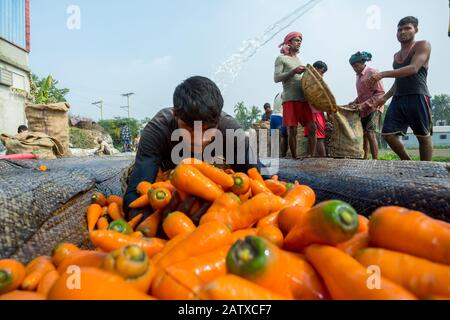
[[419, 60], [281, 76]]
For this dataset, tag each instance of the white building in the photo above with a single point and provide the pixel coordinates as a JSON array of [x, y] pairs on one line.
[[14, 67], [441, 137]]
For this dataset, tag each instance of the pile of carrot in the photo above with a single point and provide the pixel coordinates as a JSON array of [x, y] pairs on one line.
[[209, 234]]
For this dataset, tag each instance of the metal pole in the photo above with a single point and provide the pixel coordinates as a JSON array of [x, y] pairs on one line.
[[128, 107], [99, 104]]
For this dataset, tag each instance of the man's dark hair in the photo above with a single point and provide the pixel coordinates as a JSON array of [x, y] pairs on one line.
[[320, 65], [267, 106], [22, 129], [409, 20], [198, 99]]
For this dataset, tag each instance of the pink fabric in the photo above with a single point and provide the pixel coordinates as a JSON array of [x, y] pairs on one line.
[[285, 45], [367, 96]]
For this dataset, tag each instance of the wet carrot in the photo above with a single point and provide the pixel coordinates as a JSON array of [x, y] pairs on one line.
[[164, 184], [189, 179], [242, 234], [114, 211], [159, 198], [203, 239], [133, 265], [270, 220], [415, 233], [135, 221], [363, 223], [115, 199], [245, 197], [47, 282], [143, 188], [231, 287], [99, 198], [169, 245], [330, 222], [177, 223], [216, 175], [94, 284], [289, 217], [277, 187], [140, 202], [94, 213], [254, 174], [22, 296], [35, 272], [272, 234], [422, 277], [62, 251], [302, 196], [241, 184], [110, 240], [12, 273], [258, 187], [102, 224], [149, 227], [137, 234], [80, 259], [347, 279], [224, 210]]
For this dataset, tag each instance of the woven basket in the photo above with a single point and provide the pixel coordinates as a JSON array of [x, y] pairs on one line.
[[317, 91]]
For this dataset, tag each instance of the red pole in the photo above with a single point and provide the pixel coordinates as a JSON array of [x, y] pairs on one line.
[[27, 23]]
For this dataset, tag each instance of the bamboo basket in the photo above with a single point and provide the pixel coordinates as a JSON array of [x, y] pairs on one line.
[[317, 91]]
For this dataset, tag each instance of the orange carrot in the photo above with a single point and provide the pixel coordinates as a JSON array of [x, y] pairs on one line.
[[102, 224], [277, 187], [302, 196], [159, 198], [80, 259], [358, 242], [94, 213], [62, 251], [143, 188], [164, 184], [189, 179], [259, 187], [272, 234], [169, 245], [422, 277], [346, 279], [177, 223], [149, 227], [270, 220], [224, 210], [110, 240], [99, 199], [47, 282], [254, 174], [289, 217], [35, 273], [412, 232], [241, 184], [115, 199], [203, 239], [114, 211], [137, 234], [133, 265], [12, 273], [140, 202], [216, 175], [363, 223], [231, 287], [242, 234], [135, 221], [22, 296], [245, 197], [94, 284]]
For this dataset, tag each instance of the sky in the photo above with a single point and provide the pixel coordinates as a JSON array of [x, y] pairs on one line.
[[100, 49]]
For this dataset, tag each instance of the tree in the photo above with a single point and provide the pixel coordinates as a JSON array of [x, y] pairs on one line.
[[440, 107], [246, 117], [45, 90], [113, 127]]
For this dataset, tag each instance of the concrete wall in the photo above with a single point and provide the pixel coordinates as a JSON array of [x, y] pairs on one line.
[[12, 105], [412, 141]]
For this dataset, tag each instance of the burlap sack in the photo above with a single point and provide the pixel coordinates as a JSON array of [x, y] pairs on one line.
[[52, 120], [39, 144], [347, 139], [317, 91]]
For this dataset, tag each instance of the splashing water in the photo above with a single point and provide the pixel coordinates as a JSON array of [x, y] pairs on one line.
[[229, 70]]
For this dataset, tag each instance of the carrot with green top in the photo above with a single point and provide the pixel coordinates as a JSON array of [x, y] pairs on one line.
[[241, 183], [189, 179], [414, 233], [422, 277], [177, 223], [216, 175], [330, 222], [12, 273], [347, 279], [159, 198], [99, 199]]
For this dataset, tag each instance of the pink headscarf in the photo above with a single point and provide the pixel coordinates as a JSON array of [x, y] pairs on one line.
[[285, 45]]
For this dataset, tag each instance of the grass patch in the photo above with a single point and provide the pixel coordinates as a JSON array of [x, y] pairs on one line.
[[391, 156], [81, 139]]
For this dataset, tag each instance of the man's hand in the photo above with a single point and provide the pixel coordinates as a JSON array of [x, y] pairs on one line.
[[380, 102], [374, 79], [299, 70]]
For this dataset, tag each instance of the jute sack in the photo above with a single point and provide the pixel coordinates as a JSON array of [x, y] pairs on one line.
[[52, 120], [317, 91], [347, 139], [39, 144]]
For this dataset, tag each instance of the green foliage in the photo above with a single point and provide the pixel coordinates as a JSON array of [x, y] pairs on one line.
[[112, 127], [391, 156], [46, 91], [247, 117], [440, 106], [80, 139]]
